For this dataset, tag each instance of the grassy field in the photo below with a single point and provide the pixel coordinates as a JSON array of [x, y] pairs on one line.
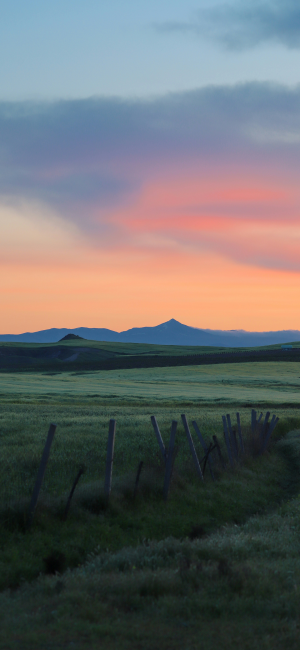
[[240, 383], [144, 573], [81, 406]]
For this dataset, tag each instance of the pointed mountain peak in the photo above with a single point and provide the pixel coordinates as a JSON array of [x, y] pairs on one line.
[[172, 321], [170, 324]]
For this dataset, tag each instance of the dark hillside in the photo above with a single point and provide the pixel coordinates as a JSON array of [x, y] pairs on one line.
[[62, 357], [72, 337]]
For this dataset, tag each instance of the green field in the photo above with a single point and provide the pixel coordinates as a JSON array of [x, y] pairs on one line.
[[239, 383], [146, 573]]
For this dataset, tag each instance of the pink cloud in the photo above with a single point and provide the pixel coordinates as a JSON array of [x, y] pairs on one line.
[[244, 218]]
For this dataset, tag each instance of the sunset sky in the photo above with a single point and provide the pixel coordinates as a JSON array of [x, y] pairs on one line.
[[149, 164]]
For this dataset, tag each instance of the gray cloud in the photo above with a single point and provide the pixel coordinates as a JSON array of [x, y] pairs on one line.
[[245, 23], [75, 155]]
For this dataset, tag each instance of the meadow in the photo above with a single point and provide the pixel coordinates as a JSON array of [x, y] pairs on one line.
[[217, 561], [240, 383], [82, 404]]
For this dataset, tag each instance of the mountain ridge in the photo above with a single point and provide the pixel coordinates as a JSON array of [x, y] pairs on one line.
[[171, 332]]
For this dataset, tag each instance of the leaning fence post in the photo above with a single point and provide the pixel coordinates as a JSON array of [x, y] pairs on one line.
[[192, 448], [109, 457], [158, 436], [204, 445], [206, 458], [265, 426], [40, 476], [240, 432], [169, 462], [226, 436], [271, 428]]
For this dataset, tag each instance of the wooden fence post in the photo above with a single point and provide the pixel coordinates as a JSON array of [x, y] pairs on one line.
[[253, 421], [265, 426], [240, 432], [226, 436], [270, 430], [109, 457], [169, 462], [204, 445], [232, 437], [40, 476], [158, 436], [192, 448]]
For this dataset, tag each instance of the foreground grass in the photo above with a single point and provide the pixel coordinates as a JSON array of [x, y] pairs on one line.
[[237, 588], [192, 509]]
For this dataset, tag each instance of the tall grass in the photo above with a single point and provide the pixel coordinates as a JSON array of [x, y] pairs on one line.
[[81, 438], [237, 588]]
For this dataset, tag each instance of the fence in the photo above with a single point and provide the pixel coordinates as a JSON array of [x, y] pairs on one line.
[[237, 446]]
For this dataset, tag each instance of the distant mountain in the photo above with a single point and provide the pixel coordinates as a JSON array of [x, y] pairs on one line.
[[170, 333]]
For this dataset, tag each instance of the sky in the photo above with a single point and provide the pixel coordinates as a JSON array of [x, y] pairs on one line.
[[149, 164]]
